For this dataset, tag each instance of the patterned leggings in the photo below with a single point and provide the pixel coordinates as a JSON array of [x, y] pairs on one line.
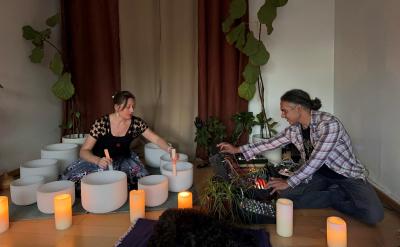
[[132, 166]]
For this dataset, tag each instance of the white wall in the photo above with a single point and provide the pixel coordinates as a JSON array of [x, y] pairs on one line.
[[302, 53], [367, 85], [29, 113]]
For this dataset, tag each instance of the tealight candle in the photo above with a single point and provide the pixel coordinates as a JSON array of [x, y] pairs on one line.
[[185, 199], [4, 219], [284, 217], [136, 205], [63, 211], [336, 232]]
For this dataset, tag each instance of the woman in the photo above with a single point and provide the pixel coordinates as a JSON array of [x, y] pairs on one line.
[[114, 132], [331, 175]]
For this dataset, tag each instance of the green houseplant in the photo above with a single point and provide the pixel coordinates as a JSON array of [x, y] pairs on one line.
[[63, 87], [238, 33], [209, 133], [218, 198]]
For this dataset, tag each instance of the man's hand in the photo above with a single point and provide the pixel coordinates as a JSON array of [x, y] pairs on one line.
[[277, 184], [228, 148]]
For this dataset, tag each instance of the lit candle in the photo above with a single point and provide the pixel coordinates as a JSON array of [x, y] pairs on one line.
[[4, 219], [63, 211], [137, 204], [336, 232], [185, 199], [284, 217], [173, 158]]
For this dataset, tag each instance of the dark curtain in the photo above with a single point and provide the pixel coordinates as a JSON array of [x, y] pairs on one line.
[[220, 67], [91, 51]]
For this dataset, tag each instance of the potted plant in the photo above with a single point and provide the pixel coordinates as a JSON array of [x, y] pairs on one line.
[[63, 87], [244, 122], [218, 198], [209, 133], [238, 33]]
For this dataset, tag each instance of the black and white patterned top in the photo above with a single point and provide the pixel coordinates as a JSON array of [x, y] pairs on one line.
[[118, 146]]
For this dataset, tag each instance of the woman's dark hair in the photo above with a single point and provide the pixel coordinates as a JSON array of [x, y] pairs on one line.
[[298, 96], [121, 98]]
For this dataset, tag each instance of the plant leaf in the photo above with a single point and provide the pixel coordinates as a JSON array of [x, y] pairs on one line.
[[37, 54], [53, 20], [226, 25], [251, 45], [56, 64], [247, 90], [279, 3], [241, 38], [63, 87], [38, 40], [251, 73], [266, 15], [69, 124], [45, 34], [261, 57], [77, 114], [29, 33], [234, 34], [237, 8]]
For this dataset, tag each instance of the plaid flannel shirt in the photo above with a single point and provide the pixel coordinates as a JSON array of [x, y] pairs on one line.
[[332, 147]]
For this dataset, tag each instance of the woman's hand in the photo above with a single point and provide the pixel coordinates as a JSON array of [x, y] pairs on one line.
[[228, 148], [104, 162], [277, 184]]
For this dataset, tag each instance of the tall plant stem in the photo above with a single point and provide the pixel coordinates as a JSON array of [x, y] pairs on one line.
[[260, 86], [51, 44]]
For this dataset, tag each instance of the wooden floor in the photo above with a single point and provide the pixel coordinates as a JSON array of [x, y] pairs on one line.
[[105, 230]]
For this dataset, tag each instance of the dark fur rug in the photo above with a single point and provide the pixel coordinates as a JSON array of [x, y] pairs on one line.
[[190, 227]]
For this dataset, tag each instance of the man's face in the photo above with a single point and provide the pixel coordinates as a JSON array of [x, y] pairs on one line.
[[291, 112]]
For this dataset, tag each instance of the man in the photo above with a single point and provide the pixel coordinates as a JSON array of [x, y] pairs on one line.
[[331, 175]]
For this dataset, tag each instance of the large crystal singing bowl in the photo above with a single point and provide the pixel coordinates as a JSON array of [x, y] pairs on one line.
[[103, 192]]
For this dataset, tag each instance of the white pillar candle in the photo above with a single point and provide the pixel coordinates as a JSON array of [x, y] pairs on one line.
[[136, 205], [336, 232], [63, 211], [185, 199], [284, 217], [4, 219]]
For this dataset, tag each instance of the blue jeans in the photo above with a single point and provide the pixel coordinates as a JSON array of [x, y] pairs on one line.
[[353, 197]]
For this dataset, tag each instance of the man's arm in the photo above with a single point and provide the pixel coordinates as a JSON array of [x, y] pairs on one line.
[[250, 150]]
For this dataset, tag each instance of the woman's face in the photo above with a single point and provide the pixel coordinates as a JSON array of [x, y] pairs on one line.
[[291, 112], [127, 111]]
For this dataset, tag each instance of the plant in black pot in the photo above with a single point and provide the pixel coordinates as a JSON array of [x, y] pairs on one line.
[[209, 133], [219, 197], [63, 88], [244, 122]]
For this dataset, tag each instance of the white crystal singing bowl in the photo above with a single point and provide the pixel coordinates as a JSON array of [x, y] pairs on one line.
[[23, 190], [152, 154], [47, 168], [65, 153], [74, 139], [45, 194], [155, 189], [184, 176], [165, 158], [103, 192]]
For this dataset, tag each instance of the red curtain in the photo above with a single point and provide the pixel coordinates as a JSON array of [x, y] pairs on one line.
[[91, 50], [220, 66]]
